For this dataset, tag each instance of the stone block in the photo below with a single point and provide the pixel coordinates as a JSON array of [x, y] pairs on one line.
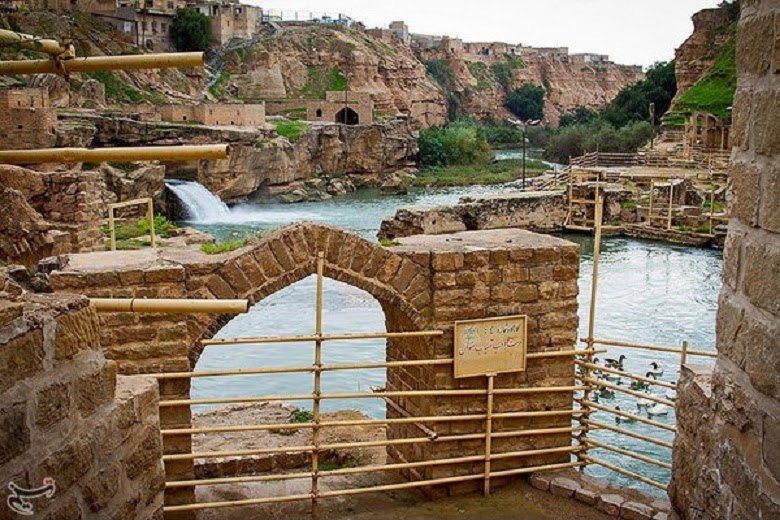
[[564, 487], [450, 261], [745, 185], [146, 455], [761, 272], [769, 211], [52, 404], [540, 481], [14, 432], [586, 496], [20, 358], [67, 465], [100, 490], [610, 504], [636, 511], [95, 388]]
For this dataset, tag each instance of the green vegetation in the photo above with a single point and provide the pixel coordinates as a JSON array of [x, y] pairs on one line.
[[718, 206], [715, 91], [628, 204], [217, 89], [622, 126], [301, 416], [117, 87], [498, 172], [456, 144], [190, 30], [441, 71], [527, 102], [140, 228], [386, 242], [322, 80], [227, 246], [497, 134], [292, 130], [481, 73], [329, 466], [504, 71]]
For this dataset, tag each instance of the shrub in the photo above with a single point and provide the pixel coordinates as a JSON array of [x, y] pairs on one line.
[[190, 30], [292, 130], [453, 144], [527, 102]]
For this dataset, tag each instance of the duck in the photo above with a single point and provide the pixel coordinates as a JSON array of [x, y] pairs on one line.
[[641, 385], [643, 402], [656, 368], [620, 419], [658, 409], [614, 378], [615, 363], [604, 392], [671, 394]]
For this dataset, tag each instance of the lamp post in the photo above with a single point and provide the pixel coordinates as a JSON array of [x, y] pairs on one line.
[[524, 125]]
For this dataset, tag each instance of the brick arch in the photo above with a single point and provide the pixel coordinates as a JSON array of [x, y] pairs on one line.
[[288, 255]]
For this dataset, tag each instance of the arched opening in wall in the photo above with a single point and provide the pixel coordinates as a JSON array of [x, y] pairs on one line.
[[292, 311], [319, 112], [347, 116]]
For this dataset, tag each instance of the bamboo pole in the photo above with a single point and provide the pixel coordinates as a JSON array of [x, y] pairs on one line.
[[653, 347], [150, 217], [628, 391], [629, 375], [144, 153], [488, 432], [373, 395], [96, 63], [652, 199], [366, 444], [170, 306], [322, 337], [417, 421], [631, 454], [370, 422], [627, 473], [629, 433], [34, 43], [315, 434], [684, 354], [632, 416]]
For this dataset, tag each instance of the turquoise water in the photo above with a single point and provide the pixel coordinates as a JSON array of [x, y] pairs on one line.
[[649, 292]]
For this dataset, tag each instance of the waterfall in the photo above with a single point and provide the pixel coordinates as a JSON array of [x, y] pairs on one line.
[[200, 205]]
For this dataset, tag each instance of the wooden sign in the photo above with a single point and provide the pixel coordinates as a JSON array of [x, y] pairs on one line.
[[490, 346]]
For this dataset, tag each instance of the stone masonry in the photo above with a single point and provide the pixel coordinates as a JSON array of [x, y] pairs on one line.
[[727, 461], [65, 414], [423, 284]]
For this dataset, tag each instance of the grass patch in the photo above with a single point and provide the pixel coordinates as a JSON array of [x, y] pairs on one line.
[[218, 88], [498, 172], [717, 206], [131, 230], [292, 130], [322, 80], [628, 204], [329, 466], [481, 73], [386, 242], [301, 416], [504, 71], [227, 246], [117, 88], [715, 91], [89, 165]]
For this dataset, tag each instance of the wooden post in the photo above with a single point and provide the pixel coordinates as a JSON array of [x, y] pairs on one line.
[[150, 216], [650, 208], [488, 432], [684, 354], [315, 433], [712, 204], [112, 228], [671, 198]]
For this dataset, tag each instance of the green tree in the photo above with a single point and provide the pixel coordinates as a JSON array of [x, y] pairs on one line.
[[190, 30], [458, 143], [632, 103], [527, 102]]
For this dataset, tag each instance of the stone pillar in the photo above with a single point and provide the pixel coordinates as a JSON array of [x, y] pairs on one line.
[[727, 460], [484, 274]]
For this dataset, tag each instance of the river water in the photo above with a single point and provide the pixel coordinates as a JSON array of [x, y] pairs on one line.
[[649, 292]]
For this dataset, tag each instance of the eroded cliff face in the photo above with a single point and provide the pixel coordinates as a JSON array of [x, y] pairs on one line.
[[698, 53], [567, 84], [304, 62], [261, 162]]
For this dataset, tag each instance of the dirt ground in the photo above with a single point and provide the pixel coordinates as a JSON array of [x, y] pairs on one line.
[[518, 501]]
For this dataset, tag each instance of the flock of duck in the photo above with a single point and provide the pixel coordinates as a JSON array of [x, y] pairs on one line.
[[643, 404]]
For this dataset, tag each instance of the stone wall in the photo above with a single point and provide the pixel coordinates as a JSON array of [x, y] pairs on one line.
[[49, 213], [65, 414], [219, 114], [727, 462], [537, 211], [423, 284], [26, 119]]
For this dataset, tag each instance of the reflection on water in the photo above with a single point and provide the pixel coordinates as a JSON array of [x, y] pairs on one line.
[[649, 293]]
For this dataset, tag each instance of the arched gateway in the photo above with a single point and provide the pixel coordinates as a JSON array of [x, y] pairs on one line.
[[425, 283]]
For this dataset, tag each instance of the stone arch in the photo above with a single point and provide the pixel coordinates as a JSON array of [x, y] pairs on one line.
[[289, 255], [347, 116]]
